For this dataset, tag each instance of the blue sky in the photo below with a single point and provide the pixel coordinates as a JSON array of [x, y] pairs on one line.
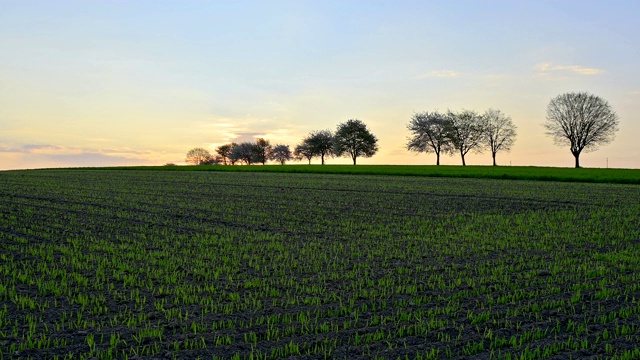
[[142, 82]]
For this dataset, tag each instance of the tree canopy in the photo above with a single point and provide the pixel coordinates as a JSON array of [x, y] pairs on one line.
[[321, 143], [353, 139], [303, 151], [499, 132], [198, 156], [465, 132], [430, 133], [582, 121], [281, 153]]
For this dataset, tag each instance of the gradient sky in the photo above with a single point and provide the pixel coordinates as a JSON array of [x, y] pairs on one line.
[[95, 83]]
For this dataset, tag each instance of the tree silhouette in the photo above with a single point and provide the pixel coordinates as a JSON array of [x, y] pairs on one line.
[[353, 139], [430, 134], [581, 120], [198, 156], [499, 132]]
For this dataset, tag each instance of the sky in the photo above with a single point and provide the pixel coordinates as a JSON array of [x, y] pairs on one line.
[[101, 83]]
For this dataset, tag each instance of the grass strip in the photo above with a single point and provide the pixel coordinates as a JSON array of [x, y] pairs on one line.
[[587, 175]]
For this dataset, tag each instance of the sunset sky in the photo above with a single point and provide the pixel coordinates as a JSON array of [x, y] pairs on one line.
[[97, 83]]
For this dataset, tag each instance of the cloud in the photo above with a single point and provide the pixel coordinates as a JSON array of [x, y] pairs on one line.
[[246, 137], [91, 159], [439, 74], [49, 149], [30, 147], [6, 149], [576, 69]]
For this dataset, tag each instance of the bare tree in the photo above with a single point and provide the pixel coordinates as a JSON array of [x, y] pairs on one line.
[[354, 139], [281, 154], [321, 143], [224, 151], [430, 134], [245, 152], [303, 151], [465, 132], [499, 132], [198, 156], [215, 160], [581, 120]]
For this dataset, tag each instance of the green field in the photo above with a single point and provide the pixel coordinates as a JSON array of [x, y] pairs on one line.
[[619, 176], [112, 264]]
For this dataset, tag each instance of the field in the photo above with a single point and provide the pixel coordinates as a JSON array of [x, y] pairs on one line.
[[591, 175], [113, 264]]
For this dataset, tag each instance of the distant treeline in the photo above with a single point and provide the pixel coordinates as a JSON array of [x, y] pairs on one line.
[[351, 138], [580, 120]]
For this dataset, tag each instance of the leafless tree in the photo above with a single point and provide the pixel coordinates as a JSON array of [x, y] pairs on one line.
[[281, 154], [499, 132], [581, 120], [198, 156], [246, 152], [430, 134], [465, 132], [321, 143], [303, 151]]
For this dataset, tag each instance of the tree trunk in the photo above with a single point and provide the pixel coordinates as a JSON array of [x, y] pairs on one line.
[[354, 160], [494, 159], [322, 157], [577, 156], [437, 159]]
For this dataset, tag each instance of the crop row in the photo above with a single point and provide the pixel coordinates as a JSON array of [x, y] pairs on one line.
[[243, 265]]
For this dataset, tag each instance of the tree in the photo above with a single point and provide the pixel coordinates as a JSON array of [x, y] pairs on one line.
[[353, 139], [581, 120], [225, 151], [198, 156], [215, 160], [303, 151], [262, 149], [245, 152], [321, 143], [281, 153], [499, 132], [430, 134], [465, 132]]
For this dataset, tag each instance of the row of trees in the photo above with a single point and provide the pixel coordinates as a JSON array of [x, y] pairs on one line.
[[462, 132], [580, 120], [352, 139], [246, 152]]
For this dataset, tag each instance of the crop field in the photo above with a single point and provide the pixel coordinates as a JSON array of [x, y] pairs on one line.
[[590, 175], [238, 265]]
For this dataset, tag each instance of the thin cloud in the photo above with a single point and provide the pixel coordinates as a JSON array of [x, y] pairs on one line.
[[246, 137], [92, 159], [29, 148], [576, 69], [61, 151], [5, 149], [439, 74]]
